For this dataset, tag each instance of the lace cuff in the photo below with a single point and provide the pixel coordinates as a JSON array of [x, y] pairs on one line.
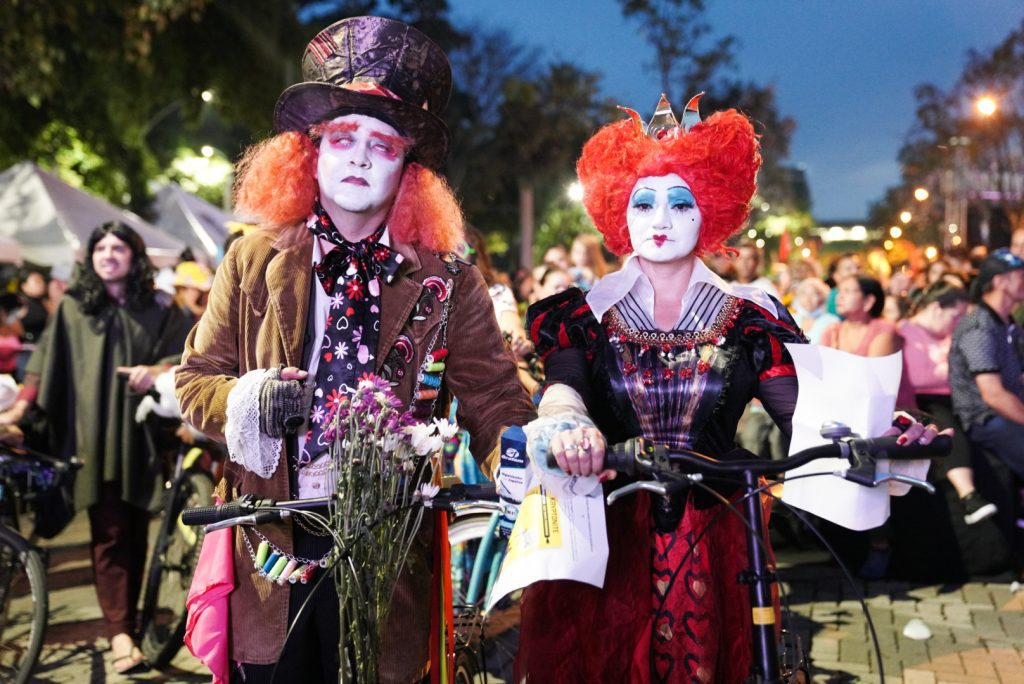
[[247, 446]]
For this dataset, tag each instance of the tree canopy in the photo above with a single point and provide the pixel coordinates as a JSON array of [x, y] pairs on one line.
[[112, 94], [959, 153]]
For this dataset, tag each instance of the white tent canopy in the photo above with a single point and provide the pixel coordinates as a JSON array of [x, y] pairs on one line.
[[193, 220], [52, 220]]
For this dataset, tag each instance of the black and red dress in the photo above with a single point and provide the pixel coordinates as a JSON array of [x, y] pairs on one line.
[[670, 609]]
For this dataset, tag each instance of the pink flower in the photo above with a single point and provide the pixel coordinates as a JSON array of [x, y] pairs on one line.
[[333, 400]]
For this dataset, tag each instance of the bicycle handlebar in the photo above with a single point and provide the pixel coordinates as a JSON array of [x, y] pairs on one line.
[[247, 505], [640, 456], [251, 510]]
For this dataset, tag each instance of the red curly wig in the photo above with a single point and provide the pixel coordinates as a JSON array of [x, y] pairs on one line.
[[718, 158], [276, 185]]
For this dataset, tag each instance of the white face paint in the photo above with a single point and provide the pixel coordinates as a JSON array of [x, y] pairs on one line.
[[663, 218], [360, 165]]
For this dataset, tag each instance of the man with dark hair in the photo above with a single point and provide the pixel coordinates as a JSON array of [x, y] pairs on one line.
[[351, 273], [109, 324], [984, 368]]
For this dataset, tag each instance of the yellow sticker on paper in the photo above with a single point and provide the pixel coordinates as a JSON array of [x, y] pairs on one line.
[[538, 525]]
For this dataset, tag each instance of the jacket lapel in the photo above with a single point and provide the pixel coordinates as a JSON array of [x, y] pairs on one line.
[[288, 279], [397, 299]]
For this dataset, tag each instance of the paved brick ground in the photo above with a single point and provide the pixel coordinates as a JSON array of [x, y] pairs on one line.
[[978, 629]]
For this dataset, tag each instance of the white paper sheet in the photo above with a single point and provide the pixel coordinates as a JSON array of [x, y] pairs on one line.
[[856, 390]]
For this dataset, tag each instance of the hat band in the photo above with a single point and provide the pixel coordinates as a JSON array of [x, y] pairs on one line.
[[371, 88]]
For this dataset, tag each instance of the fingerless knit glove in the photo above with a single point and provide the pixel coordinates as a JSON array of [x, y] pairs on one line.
[[281, 404]]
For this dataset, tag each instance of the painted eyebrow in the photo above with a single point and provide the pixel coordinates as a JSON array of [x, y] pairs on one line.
[[399, 142], [337, 127]]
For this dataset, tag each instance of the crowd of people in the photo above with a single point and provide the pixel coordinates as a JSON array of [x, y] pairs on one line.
[[362, 266]]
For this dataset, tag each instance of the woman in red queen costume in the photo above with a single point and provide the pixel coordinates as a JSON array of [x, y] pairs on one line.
[[666, 350]]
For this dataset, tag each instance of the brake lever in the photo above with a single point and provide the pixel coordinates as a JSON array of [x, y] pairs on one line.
[[665, 489], [905, 479], [257, 518]]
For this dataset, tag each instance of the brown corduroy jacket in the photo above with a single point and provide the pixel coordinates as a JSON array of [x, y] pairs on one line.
[[257, 318]]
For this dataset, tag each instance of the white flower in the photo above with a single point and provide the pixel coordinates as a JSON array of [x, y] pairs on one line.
[[446, 428], [424, 438], [427, 491], [392, 441]]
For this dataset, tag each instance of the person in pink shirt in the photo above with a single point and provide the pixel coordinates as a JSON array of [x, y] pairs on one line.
[[862, 331], [927, 335]]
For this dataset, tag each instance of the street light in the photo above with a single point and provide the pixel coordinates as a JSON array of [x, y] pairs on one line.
[[905, 216], [920, 194], [575, 191], [986, 105]]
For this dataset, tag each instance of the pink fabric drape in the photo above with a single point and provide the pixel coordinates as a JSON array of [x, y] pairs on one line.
[[206, 631]]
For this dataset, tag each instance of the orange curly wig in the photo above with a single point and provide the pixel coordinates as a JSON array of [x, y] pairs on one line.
[[718, 158], [276, 185]]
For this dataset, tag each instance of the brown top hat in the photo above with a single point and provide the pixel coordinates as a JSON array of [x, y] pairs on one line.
[[378, 67]]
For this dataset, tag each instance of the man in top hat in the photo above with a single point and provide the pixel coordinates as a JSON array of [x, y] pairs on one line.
[[984, 369], [350, 273]]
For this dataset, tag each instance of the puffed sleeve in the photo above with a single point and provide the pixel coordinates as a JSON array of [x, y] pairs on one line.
[[563, 331], [562, 321], [767, 333]]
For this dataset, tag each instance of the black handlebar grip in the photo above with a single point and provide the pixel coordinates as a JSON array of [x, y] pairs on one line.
[[621, 458], [486, 491], [207, 515], [886, 447]]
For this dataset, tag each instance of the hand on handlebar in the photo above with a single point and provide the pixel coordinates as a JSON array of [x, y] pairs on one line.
[[913, 431], [580, 451]]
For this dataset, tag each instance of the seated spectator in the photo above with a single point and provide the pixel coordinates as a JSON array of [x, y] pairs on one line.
[[10, 332], [842, 267], [551, 280], [557, 256], [588, 264], [192, 283], [863, 331], [809, 308], [896, 307], [927, 335], [505, 310], [748, 269], [33, 297], [984, 368]]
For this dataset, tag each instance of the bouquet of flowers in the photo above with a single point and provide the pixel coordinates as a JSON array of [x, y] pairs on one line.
[[383, 462]]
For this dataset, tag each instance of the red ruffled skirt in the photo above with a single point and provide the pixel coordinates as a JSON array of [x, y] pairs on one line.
[[662, 616]]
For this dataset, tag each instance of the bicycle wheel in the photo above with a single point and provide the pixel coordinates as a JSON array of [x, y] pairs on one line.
[[23, 607], [491, 639], [170, 574], [464, 536], [466, 668]]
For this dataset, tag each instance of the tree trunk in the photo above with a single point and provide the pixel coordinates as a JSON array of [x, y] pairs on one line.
[[525, 224]]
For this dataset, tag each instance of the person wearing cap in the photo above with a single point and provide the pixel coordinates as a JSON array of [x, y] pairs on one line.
[[192, 282], [350, 273], [984, 368]]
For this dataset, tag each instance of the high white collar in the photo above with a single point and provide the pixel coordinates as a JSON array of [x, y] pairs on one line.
[[611, 289]]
